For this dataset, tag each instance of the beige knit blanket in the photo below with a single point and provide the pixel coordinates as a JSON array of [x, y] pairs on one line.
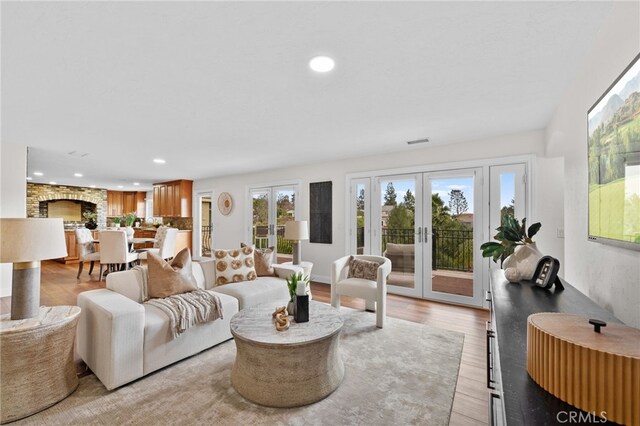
[[188, 309]]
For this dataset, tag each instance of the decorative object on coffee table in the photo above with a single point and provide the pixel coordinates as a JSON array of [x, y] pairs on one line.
[[296, 230], [25, 242], [515, 242], [288, 369], [302, 303], [281, 318], [292, 285], [37, 368], [225, 203]]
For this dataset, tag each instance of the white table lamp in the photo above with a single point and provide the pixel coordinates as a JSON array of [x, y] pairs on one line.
[[296, 230], [25, 242]]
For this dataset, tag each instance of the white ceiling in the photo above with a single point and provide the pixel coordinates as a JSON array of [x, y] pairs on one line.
[[221, 88]]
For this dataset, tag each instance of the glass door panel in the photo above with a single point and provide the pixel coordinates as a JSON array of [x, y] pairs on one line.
[[260, 217], [360, 216], [450, 244], [206, 226], [507, 196], [285, 211], [398, 239]]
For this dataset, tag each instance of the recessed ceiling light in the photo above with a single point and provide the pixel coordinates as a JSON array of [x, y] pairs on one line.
[[92, 186], [52, 183], [37, 173], [159, 161], [136, 183], [120, 186], [29, 178], [77, 174], [322, 64]]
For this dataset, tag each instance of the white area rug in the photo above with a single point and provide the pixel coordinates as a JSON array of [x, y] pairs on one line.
[[403, 374]]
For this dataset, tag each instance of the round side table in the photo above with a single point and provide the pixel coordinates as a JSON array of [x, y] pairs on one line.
[[37, 368]]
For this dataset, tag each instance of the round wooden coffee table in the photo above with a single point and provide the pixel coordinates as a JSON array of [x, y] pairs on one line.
[[286, 368]]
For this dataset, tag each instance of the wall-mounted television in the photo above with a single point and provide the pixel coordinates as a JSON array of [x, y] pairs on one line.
[[614, 162]]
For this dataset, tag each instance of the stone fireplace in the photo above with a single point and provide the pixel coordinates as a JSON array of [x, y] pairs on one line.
[[89, 199]]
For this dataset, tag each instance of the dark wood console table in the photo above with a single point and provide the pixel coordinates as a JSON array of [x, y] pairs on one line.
[[516, 398]]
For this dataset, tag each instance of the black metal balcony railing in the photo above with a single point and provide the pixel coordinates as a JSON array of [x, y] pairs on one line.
[[260, 239], [452, 249], [206, 239]]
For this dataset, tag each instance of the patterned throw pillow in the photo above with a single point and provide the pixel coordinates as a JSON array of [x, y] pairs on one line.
[[364, 269], [233, 266], [166, 279], [264, 260]]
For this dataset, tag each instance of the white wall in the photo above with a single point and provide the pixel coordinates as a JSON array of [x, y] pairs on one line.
[[609, 275], [229, 230], [13, 195]]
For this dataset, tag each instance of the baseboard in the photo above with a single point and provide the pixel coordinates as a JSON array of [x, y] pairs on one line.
[[321, 279]]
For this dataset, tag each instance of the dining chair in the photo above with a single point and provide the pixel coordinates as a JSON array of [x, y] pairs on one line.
[[114, 251], [86, 249], [165, 246], [364, 277]]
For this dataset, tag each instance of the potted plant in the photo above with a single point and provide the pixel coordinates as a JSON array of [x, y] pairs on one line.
[[91, 219], [292, 285], [116, 222], [515, 247], [129, 219]]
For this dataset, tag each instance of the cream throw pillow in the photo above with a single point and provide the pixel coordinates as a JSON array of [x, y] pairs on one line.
[[167, 279], [233, 266], [365, 269], [264, 260]]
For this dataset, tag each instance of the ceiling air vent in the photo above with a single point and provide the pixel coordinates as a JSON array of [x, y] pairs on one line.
[[417, 141], [78, 154]]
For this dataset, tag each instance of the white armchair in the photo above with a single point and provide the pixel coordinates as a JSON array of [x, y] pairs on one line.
[[374, 292]]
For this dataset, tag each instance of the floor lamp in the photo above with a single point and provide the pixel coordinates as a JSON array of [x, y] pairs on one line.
[[25, 242], [296, 230]]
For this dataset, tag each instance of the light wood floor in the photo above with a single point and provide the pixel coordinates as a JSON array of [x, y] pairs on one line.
[[470, 406]]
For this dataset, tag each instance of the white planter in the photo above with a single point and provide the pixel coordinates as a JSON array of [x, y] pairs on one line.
[[524, 259], [129, 230]]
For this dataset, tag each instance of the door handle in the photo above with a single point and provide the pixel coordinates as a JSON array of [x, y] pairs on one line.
[[426, 234], [419, 233]]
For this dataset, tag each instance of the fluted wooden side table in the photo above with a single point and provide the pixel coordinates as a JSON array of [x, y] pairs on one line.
[[37, 367]]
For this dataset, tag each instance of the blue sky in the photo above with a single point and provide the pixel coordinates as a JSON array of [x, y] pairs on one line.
[[443, 187]]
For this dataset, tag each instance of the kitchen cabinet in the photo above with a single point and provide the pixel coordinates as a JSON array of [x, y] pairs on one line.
[[129, 202], [115, 203], [172, 199], [119, 203], [140, 204]]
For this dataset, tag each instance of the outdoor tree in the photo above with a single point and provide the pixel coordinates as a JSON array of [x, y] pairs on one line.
[[360, 201], [260, 210], [409, 201], [439, 212], [400, 218], [457, 202], [507, 211], [390, 195], [284, 205]]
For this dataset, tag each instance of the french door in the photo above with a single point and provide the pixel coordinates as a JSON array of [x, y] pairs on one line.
[[271, 208], [426, 224], [204, 234]]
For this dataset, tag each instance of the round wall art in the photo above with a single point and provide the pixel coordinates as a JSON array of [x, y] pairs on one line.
[[225, 203]]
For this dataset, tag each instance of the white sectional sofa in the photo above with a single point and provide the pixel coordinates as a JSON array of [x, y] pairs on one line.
[[121, 339]]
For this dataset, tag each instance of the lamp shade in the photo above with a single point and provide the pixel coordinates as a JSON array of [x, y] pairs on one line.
[[296, 230], [28, 240]]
